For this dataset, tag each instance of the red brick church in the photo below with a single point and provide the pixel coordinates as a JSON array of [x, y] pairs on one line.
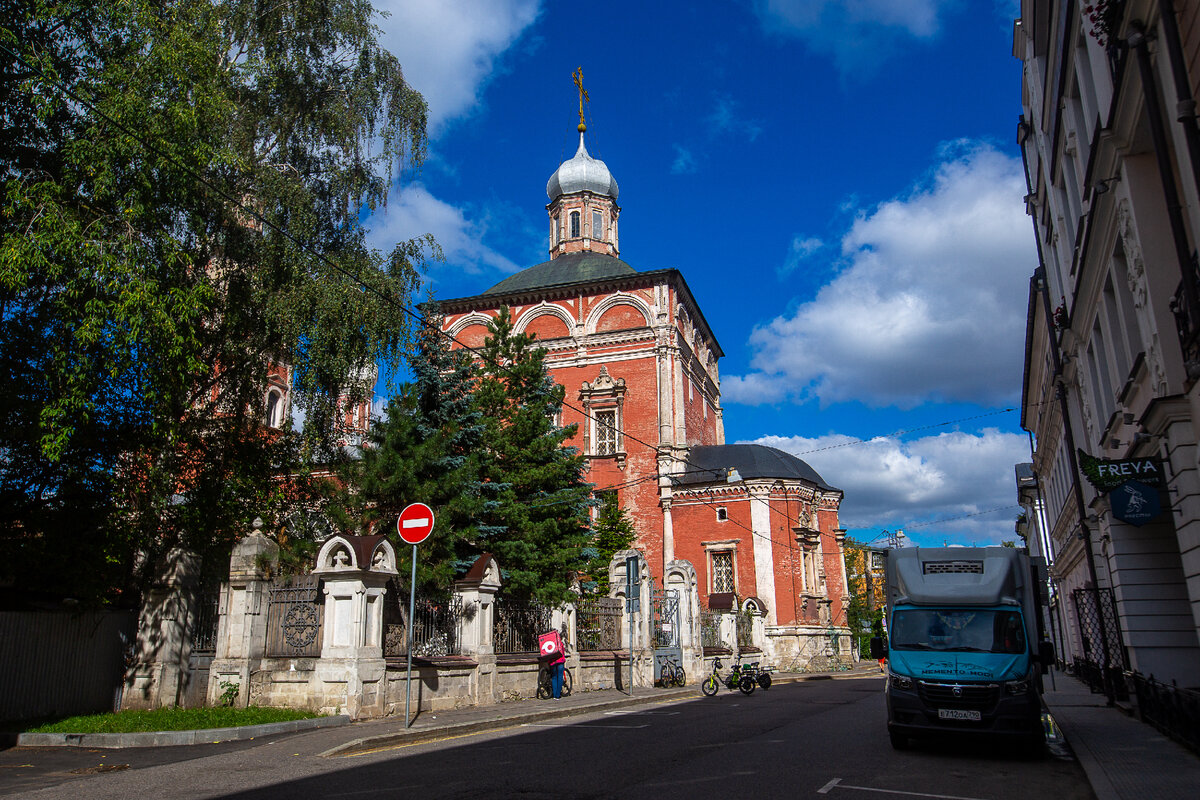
[[636, 355]]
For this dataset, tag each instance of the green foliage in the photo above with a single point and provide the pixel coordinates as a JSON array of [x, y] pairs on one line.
[[428, 449], [142, 301], [539, 527], [866, 603], [614, 532], [229, 693]]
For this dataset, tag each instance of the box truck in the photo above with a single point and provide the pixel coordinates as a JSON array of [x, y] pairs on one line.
[[965, 647]]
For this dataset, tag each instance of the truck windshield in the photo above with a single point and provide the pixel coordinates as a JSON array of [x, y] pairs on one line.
[[960, 629]]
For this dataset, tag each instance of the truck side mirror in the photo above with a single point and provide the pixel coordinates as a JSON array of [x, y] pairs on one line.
[[878, 650], [1046, 652]]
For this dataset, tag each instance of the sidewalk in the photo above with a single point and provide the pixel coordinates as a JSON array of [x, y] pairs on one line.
[[1124, 758]]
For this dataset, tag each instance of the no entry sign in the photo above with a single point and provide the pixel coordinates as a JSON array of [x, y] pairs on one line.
[[415, 523]]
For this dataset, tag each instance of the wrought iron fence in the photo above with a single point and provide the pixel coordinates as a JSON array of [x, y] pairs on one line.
[[1100, 633], [598, 623], [204, 623], [437, 626], [1174, 711], [294, 618], [516, 626], [710, 629], [745, 629]]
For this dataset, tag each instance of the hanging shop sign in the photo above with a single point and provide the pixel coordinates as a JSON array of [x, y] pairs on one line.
[[1135, 502], [1106, 474]]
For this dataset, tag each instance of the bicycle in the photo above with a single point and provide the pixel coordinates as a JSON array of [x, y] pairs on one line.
[[734, 680], [670, 672], [545, 689]]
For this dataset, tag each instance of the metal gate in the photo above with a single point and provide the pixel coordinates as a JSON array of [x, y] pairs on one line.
[[666, 624], [1100, 631]]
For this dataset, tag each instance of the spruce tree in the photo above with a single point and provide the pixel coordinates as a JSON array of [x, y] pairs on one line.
[[539, 528], [614, 532], [428, 450]]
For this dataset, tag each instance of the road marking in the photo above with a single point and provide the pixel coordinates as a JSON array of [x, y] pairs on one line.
[[701, 780], [577, 725], [642, 713], [836, 783]]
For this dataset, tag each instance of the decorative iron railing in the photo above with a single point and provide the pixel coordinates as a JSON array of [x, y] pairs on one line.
[[598, 623], [204, 623], [516, 626], [294, 618], [1104, 661], [745, 629], [1174, 711], [710, 630], [437, 626]]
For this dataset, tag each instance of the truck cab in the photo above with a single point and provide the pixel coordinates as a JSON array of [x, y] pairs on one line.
[[964, 644]]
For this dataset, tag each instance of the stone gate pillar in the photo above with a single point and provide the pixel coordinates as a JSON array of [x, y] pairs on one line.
[[478, 591], [351, 676], [159, 672], [681, 576], [242, 629]]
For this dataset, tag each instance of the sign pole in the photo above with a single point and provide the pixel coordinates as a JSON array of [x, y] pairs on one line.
[[412, 605], [414, 525]]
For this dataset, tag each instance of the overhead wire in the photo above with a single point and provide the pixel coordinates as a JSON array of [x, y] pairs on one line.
[[388, 298]]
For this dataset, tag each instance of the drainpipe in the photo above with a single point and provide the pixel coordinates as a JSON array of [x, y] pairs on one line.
[[1040, 284], [1185, 104], [1138, 40]]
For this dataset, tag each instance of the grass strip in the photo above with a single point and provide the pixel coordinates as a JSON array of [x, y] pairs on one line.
[[170, 719]]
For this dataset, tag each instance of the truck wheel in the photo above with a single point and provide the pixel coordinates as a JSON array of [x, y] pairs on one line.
[[899, 740]]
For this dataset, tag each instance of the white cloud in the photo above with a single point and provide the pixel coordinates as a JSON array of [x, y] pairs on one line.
[[415, 212], [800, 250], [685, 162], [448, 48], [929, 305], [726, 119], [856, 33], [890, 483]]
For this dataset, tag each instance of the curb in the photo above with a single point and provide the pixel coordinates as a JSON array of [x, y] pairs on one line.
[[175, 738], [368, 744]]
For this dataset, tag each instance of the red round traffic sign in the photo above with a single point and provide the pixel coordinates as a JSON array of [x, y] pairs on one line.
[[415, 523]]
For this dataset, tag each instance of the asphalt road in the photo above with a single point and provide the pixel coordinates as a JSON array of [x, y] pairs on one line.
[[812, 739]]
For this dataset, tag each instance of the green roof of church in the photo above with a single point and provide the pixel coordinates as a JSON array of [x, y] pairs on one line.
[[567, 268]]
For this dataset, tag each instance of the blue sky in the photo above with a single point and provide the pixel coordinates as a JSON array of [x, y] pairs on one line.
[[837, 180]]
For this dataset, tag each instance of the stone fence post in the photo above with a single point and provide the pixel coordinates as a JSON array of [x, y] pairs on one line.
[[158, 675], [642, 653], [477, 589], [242, 628]]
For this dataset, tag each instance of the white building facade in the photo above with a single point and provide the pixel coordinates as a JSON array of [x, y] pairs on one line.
[[1112, 354]]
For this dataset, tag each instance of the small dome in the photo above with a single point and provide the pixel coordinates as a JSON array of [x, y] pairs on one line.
[[582, 173]]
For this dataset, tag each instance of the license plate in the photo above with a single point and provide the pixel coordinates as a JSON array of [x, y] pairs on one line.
[[959, 713]]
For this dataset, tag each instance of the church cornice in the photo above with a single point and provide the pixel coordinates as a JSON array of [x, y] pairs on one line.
[[566, 291]]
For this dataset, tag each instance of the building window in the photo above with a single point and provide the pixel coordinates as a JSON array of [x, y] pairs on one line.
[[722, 572], [555, 230], [575, 225], [606, 432], [597, 225], [722, 514], [274, 414]]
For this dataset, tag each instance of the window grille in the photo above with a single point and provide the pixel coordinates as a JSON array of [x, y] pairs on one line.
[[722, 570], [606, 433], [574, 224]]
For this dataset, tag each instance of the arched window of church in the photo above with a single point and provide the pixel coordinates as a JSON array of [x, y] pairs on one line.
[[597, 225], [575, 225], [273, 418], [555, 230]]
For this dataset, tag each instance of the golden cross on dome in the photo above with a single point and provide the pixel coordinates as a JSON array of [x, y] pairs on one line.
[[583, 96]]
